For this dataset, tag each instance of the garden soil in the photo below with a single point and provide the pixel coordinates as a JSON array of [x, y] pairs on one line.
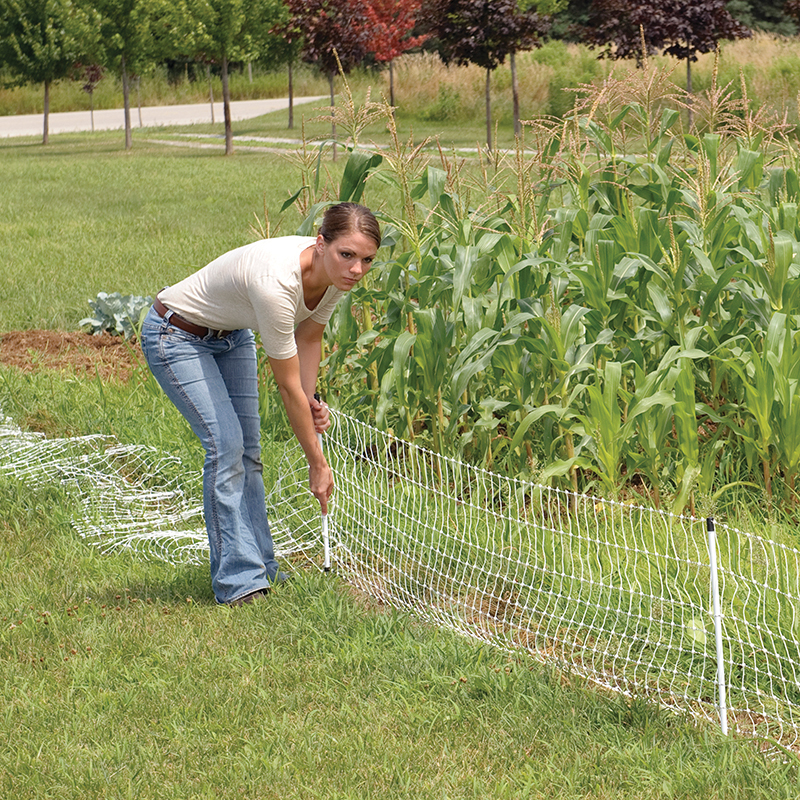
[[87, 354]]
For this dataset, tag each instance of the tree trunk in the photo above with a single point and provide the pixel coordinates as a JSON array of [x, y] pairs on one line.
[[333, 118], [46, 124], [250, 71], [126, 96], [515, 94], [210, 91], [291, 98], [488, 110], [226, 103]]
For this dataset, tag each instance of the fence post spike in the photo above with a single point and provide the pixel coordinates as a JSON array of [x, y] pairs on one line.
[[712, 555]]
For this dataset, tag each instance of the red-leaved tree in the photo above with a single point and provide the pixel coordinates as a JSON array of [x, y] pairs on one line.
[[679, 28], [335, 36], [481, 32], [391, 25], [91, 75]]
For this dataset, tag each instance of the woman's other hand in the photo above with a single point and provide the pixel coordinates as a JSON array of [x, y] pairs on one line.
[[320, 481], [320, 415]]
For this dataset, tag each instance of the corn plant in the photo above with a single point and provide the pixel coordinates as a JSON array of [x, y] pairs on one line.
[[613, 308]]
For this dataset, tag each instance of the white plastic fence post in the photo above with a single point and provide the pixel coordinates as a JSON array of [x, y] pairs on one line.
[[326, 542], [712, 554]]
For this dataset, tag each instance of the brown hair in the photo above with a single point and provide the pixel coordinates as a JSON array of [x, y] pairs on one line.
[[344, 218]]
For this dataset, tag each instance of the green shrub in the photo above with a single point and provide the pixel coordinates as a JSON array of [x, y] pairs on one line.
[[553, 53], [582, 69], [447, 106]]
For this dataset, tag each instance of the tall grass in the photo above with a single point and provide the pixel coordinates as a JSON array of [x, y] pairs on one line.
[[769, 65], [159, 87], [427, 89]]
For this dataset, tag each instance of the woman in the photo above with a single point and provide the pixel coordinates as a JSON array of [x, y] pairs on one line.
[[198, 341]]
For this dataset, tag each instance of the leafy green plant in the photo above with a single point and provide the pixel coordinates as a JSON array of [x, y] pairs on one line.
[[116, 313]]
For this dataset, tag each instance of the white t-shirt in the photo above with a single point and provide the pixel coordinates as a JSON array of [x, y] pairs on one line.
[[257, 286]]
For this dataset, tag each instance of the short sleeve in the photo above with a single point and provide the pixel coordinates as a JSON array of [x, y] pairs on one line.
[[275, 303]]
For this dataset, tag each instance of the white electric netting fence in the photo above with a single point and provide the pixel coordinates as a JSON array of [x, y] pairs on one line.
[[621, 594]]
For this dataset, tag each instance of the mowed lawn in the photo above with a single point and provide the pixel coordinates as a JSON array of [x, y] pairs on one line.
[[121, 678], [83, 216]]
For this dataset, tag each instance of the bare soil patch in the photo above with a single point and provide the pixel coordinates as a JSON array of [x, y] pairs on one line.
[[110, 357]]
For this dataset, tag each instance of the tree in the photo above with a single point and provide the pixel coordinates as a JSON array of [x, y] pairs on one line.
[[481, 32], [693, 28], [391, 23], [222, 31], [129, 41], [771, 16], [569, 22], [91, 75], [286, 50], [679, 28], [41, 40], [335, 37], [792, 9]]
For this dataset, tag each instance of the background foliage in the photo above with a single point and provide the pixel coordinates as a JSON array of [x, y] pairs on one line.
[[137, 37]]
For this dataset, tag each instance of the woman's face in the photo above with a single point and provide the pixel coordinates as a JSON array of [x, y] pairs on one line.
[[347, 258]]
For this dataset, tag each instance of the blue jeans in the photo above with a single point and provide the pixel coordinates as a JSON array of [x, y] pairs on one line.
[[214, 384]]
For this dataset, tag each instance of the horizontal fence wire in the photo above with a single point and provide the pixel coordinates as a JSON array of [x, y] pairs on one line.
[[615, 592]]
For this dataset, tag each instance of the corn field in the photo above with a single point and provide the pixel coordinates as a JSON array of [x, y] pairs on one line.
[[611, 307]]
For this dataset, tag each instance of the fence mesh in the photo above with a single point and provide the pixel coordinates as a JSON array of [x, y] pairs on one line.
[[617, 593]]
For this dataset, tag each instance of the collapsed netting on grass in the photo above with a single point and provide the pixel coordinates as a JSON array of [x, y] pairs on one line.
[[129, 497], [614, 592]]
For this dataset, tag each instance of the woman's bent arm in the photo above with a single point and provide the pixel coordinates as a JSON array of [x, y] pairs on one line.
[[308, 337]]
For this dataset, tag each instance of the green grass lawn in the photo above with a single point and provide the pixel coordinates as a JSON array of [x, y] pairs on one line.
[[123, 679], [82, 216]]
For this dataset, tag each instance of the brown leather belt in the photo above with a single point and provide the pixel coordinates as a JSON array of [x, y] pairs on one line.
[[179, 322]]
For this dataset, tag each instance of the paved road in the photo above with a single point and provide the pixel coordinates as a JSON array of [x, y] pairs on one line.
[[152, 116]]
